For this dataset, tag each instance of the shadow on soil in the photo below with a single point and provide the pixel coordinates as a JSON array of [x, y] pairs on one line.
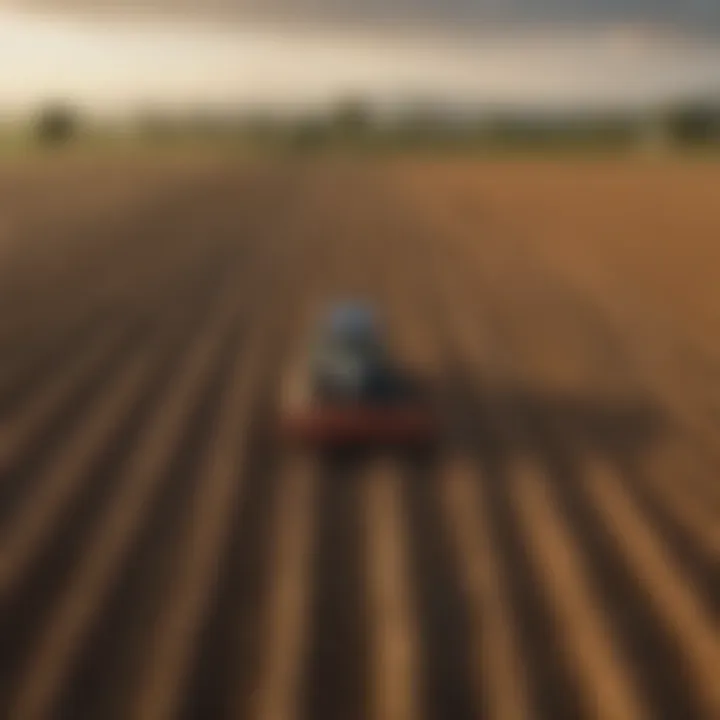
[[498, 424], [561, 434], [495, 425]]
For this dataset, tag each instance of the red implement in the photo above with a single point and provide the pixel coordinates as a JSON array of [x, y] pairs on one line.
[[330, 425]]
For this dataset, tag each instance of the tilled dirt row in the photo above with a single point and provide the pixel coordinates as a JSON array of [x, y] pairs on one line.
[[162, 556]]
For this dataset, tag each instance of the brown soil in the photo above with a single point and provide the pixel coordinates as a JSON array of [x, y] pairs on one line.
[[558, 559]]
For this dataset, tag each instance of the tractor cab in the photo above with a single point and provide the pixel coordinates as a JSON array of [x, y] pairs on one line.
[[349, 361], [351, 391]]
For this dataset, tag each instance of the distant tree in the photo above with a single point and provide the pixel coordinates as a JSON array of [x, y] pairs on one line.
[[421, 125], [57, 124], [352, 118], [694, 123], [157, 126], [308, 134], [260, 128]]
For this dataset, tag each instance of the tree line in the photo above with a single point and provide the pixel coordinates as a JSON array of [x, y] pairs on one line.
[[355, 123]]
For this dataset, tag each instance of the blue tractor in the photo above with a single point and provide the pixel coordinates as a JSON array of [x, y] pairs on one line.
[[353, 392]]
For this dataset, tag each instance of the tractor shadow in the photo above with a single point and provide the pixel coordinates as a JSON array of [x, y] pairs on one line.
[[497, 425], [496, 430]]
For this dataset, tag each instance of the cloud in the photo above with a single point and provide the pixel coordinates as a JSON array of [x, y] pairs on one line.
[[124, 65], [688, 14]]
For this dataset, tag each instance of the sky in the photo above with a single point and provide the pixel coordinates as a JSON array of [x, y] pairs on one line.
[[290, 53], [685, 13]]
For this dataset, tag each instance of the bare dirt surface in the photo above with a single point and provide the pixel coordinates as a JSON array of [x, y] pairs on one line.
[[162, 556]]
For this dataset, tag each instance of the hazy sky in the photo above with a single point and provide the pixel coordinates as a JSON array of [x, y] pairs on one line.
[[269, 51], [697, 13]]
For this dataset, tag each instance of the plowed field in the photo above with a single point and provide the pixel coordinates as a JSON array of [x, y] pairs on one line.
[[162, 556]]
